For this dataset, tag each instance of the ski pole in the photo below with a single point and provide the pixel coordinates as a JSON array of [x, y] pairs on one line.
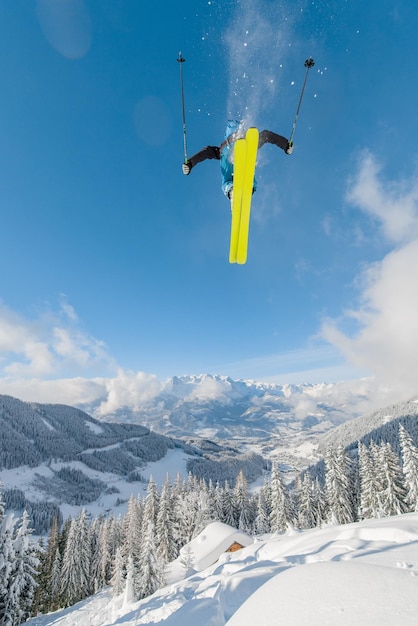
[[308, 64], [181, 61]]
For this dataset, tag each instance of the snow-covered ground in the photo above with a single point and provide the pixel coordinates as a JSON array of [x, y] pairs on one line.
[[363, 574], [173, 463]]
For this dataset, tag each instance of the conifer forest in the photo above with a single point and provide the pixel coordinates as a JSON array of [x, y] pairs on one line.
[[131, 552]]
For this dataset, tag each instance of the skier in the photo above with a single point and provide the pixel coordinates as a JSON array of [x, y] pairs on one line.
[[225, 152]]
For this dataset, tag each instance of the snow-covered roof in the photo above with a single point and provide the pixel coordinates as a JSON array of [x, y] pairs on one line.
[[206, 548]]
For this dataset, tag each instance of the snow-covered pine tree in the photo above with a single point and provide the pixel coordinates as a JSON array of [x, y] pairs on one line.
[[203, 507], [212, 507], [132, 530], [370, 504], [243, 506], [409, 467], [152, 500], [129, 592], [149, 576], [228, 506], [55, 582], [42, 600], [166, 544], [97, 579], [263, 510], [63, 536], [7, 557], [338, 485], [305, 495], [394, 494], [118, 580], [185, 518], [320, 503], [75, 582], [281, 516], [109, 539], [23, 575], [218, 507], [52, 566], [191, 511]]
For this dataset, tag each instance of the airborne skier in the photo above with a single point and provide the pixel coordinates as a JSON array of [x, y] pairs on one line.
[[238, 157], [225, 152]]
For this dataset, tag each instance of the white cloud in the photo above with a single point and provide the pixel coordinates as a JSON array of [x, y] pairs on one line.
[[50, 344], [385, 336], [41, 360], [72, 391], [210, 387], [394, 203], [130, 389]]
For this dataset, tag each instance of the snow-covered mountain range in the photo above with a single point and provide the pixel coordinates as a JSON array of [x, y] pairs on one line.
[[58, 456], [279, 421]]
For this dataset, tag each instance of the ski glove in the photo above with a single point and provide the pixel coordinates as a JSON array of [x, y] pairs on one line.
[[289, 148], [186, 167]]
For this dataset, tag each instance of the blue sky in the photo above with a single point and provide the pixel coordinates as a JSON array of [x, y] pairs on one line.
[[114, 264]]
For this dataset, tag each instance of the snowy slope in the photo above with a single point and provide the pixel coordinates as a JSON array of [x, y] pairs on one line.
[[364, 574]]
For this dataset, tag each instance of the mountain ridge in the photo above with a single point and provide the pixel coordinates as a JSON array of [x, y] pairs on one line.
[[266, 417]]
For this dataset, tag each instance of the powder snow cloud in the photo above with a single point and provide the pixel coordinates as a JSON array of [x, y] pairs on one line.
[[258, 37]]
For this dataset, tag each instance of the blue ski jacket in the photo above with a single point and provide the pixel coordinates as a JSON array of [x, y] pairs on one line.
[[225, 152]]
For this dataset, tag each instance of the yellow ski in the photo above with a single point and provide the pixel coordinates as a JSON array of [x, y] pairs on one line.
[[240, 149], [245, 157], [251, 139]]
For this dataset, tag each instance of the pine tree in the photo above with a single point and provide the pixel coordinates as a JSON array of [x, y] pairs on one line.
[[129, 592], [185, 518], [202, 506], [23, 575], [167, 549], [339, 487], [228, 508], [97, 578], [281, 508], [118, 573], [192, 511], [409, 467], [370, 504], [132, 528], [55, 583], [393, 496], [76, 562], [261, 522], [218, 506], [320, 503], [211, 505], [149, 576], [109, 541], [7, 557], [242, 504], [152, 501], [307, 514], [47, 592]]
